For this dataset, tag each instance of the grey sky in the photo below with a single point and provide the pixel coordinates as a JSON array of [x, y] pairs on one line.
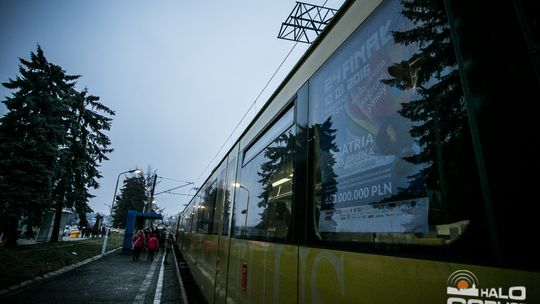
[[178, 74]]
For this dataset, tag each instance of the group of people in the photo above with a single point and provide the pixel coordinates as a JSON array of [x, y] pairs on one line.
[[152, 241], [86, 231]]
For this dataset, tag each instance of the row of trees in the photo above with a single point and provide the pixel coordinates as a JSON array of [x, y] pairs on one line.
[[51, 145]]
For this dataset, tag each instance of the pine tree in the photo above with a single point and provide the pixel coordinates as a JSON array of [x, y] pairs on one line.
[[86, 148], [30, 134], [439, 114], [51, 144], [132, 197]]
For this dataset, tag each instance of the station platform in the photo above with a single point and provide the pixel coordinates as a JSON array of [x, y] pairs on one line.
[[113, 278]]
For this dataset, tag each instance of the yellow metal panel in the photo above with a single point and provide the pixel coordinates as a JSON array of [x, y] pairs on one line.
[[206, 266], [221, 270], [271, 272], [328, 276]]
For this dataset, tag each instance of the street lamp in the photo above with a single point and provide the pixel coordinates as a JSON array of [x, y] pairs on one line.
[[136, 171], [245, 211]]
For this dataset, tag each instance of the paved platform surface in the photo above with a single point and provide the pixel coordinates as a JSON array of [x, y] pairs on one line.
[[114, 278]]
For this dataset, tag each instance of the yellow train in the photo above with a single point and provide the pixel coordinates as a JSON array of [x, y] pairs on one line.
[[394, 164]]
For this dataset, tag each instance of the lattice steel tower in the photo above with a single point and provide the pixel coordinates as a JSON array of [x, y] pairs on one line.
[[306, 22]]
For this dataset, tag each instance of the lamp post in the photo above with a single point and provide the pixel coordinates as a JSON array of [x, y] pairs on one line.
[[106, 238], [151, 198], [245, 211]]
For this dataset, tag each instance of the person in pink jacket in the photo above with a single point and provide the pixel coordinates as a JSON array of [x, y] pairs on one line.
[[138, 244], [152, 246]]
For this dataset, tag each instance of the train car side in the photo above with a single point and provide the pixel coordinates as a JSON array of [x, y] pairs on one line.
[[370, 174]]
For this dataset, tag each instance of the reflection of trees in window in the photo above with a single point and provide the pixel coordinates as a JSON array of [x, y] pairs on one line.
[[324, 147], [226, 182], [198, 214], [234, 225], [438, 114], [206, 210], [276, 175], [226, 208], [326, 182], [218, 210], [186, 222]]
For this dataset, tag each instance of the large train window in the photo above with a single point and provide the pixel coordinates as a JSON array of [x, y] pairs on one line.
[[187, 219], [264, 190], [391, 152], [205, 218]]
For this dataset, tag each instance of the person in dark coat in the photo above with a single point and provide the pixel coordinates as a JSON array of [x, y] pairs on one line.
[[168, 247]]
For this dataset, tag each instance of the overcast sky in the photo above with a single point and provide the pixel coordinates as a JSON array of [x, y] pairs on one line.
[[179, 75]]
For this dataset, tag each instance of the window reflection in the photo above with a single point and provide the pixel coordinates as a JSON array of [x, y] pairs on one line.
[[229, 194], [264, 192], [391, 145], [219, 201], [186, 222], [205, 209]]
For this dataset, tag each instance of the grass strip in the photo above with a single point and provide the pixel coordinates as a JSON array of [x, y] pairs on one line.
[[26, 262]]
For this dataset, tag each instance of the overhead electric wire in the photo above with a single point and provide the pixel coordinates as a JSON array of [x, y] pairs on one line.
[[249, 109], [175, 180], [168, 190], [184, 194]]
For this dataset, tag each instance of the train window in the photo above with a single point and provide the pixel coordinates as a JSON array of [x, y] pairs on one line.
[[218, 213], [391, 152], [196, 213], [265, 192], [190, 218], [186, 222], [205, 218]]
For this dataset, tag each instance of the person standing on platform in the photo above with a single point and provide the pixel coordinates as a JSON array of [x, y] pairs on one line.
[[152, 246], [168, 246], [138, 244]]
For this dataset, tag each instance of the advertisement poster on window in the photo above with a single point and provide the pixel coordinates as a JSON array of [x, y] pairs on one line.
[[368, 182]]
